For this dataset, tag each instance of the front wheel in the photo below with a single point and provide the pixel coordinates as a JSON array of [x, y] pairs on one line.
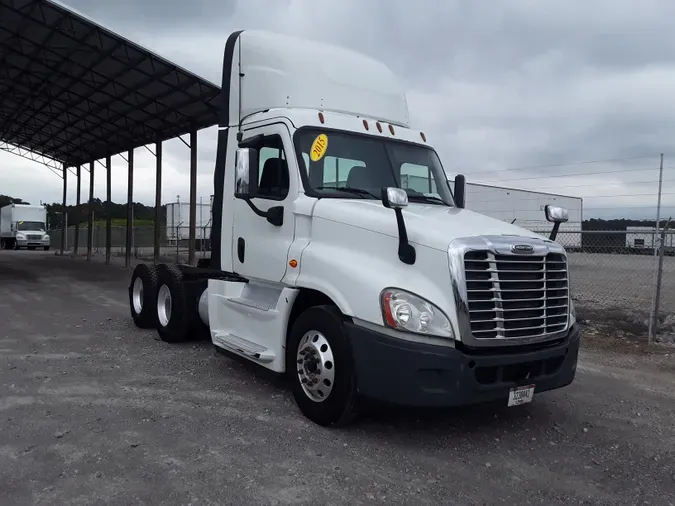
[[320, 365]]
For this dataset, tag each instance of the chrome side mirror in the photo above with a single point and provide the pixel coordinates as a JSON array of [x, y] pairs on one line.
[[394, 198], [556, 214], [246, 173]]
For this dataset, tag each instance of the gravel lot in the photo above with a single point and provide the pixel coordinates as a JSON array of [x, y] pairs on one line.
[[94, 411]]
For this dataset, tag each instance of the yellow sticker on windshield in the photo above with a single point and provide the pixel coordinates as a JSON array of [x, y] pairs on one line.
[[319, 147]]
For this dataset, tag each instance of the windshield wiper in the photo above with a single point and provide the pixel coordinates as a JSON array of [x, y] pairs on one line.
[[425, 198], [357, 191]]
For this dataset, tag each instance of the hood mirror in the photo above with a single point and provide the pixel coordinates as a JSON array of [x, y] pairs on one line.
[[555, 215], [460, 191], [394, 198]]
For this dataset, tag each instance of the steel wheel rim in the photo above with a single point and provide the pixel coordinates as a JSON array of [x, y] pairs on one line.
[[316, 366], [164, 305], [137, 295]]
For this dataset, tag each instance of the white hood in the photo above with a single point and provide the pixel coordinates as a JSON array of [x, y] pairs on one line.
[[433, 226]]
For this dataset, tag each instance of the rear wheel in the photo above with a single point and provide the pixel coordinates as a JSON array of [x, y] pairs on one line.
[[142, 296], [174, 315], [320, 365]]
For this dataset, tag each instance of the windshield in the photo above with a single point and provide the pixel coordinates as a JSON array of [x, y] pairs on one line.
[[30, 225], [346, 165]]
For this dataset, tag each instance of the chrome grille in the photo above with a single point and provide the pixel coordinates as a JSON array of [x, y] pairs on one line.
[[516, 296], [34, 237]]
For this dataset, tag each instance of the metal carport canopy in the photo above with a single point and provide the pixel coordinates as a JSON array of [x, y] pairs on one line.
[[73, 92], [76, 92]]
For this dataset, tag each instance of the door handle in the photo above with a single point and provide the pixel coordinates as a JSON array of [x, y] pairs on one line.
[[241, 249]]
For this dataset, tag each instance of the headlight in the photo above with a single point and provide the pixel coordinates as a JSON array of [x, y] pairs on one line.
[[402, 310], [45, 237], [21, 237]]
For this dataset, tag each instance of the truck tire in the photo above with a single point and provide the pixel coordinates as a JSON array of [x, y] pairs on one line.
[[142, 296], [46, 248], [319, 362], [174, 314]]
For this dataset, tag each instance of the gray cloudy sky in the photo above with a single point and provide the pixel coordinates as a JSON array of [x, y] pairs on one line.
[[510, 91]]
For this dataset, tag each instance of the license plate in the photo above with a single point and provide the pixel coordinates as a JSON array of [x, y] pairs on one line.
[[521, 395]]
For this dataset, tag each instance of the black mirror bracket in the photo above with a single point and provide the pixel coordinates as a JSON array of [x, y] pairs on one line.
[[274, 215], [406, 251]]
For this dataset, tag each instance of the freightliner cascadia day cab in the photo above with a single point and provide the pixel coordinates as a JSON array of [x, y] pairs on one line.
[[23, 226], [327, 268]]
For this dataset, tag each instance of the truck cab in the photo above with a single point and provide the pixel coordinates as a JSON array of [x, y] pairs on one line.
[[341, 257], [24, 226]]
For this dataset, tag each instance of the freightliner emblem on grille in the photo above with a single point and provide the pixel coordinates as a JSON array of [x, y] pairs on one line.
[[522, 248]]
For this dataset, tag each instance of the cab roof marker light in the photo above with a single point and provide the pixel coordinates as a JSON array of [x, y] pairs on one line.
[[424, 137], [391, 129], [365, 125], [379, 127], [321, 118]]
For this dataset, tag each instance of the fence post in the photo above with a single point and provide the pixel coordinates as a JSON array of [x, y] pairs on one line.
[[654, 323], [653, 317]]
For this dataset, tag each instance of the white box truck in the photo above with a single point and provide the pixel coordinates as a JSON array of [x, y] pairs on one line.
[[325, 269], [24, 226]]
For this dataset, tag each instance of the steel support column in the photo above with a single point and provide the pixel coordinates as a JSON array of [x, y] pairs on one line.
[[193, 197], [158, 200], [76, 241], [108, 207], [130, 209], [63, 209], [90, 218]]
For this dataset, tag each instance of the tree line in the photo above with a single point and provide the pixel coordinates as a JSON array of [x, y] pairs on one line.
[[143, 215]]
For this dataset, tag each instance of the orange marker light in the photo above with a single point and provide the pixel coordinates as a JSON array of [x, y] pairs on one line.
[[391, 129], [379, 127], [293, 263], [424, 137], [321, 117], [365, 124]]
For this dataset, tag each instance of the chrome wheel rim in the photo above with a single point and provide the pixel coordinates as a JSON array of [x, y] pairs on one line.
[[137, 295], [316, 366], [164, 305]]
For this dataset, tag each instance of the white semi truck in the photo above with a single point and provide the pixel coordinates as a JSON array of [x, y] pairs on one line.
[[23, 226], [325, 269]]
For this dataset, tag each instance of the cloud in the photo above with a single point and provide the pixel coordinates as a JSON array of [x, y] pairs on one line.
[[527, 85]]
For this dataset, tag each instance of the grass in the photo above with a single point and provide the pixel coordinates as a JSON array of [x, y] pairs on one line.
[[122, 222]]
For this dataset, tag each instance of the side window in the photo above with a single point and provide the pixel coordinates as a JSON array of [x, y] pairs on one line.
[[273, 176], [417, 178]]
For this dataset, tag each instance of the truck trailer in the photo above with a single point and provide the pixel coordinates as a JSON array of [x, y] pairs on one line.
[[325, 269], [24, 226]]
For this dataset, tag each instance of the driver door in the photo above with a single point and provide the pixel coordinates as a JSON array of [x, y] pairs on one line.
[[260, 249]]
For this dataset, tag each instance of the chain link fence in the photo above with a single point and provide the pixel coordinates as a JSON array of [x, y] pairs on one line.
[[174, 242], [614, 274]]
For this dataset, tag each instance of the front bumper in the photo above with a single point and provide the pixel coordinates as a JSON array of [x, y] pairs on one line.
[[38, 243], [422, 375]]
